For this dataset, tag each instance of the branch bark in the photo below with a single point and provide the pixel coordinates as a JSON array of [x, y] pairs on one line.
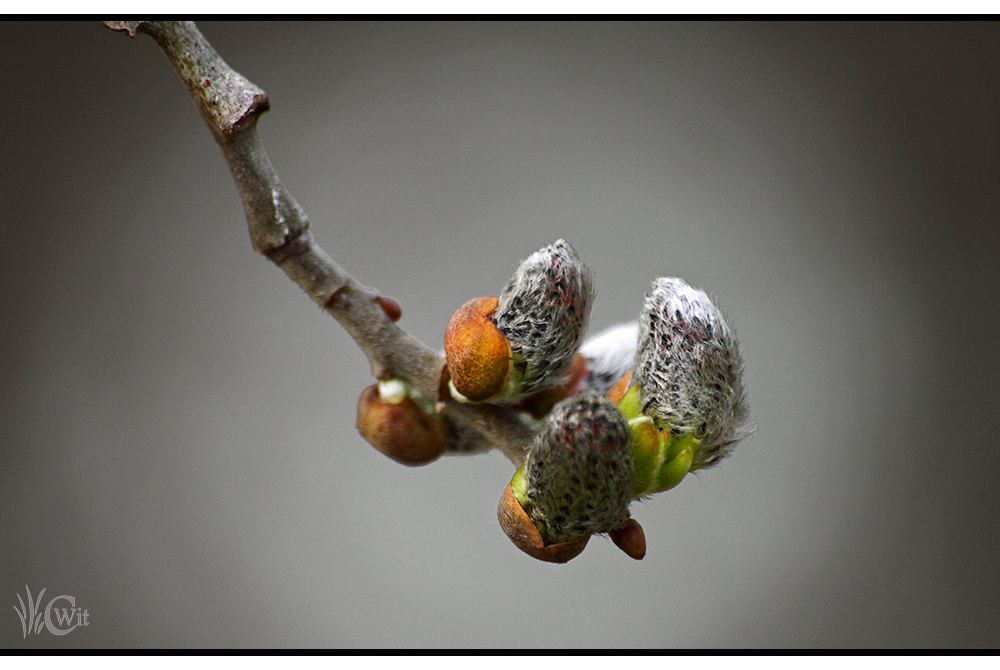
[[279, 229]]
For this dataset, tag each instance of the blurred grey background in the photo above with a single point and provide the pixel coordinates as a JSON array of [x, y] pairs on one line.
[[177, 440]]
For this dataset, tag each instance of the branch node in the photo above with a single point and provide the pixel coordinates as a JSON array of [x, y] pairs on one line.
[[292, 246], [337, 298], [230, 106], [257, 106]]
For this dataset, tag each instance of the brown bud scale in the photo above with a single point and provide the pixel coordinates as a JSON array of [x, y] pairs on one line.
[[525, 536], [478, 354], [402, 431], [630, 539]]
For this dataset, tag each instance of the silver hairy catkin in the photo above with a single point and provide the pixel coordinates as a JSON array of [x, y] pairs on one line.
[[579, 469], [544, 312], [690, 370], [609, 356]]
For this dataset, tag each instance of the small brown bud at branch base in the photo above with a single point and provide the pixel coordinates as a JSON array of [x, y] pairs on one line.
[[402, 431]]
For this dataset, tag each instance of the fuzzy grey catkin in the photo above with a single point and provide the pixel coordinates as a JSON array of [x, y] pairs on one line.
[[690, 370], [609, 356], [579, 469], [544, 312]]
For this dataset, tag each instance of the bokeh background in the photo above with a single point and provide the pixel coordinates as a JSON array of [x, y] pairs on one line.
[[177, 440]]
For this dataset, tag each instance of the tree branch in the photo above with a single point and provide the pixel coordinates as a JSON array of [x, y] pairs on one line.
[[230, 106]]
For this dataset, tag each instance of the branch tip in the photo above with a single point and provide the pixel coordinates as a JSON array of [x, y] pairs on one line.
[[130, 28], [230, 105]]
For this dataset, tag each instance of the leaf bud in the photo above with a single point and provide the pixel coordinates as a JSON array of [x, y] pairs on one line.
[[478, 354], [395, 425]]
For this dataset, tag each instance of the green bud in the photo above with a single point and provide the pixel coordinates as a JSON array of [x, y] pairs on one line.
[[630, 404], [645, 456], [660, 459], [672, 472]]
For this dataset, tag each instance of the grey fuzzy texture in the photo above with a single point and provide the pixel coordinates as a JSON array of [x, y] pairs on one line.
[[609, 355], [690, 370], [544, 312], [579, 469]]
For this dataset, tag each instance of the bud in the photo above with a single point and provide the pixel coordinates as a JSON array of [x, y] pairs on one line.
[[395, 425], [544, 313], [660, 459], [630, 539], [478, 354], [689, 373], [578, 470], [609, 357], [525, 535], [511, 347]]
